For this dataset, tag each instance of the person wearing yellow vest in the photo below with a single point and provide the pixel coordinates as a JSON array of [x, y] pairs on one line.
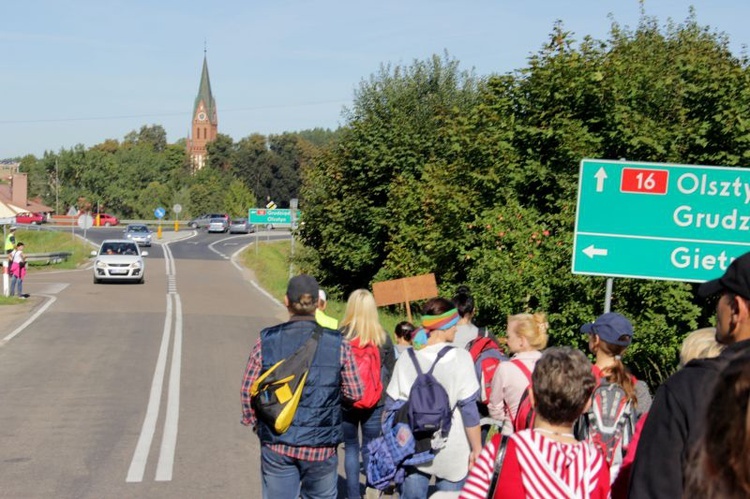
[[320, 316], [10, 241]]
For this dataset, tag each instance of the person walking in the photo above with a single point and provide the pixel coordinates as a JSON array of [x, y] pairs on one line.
[[455, 373], [303, 460], [17, 271], [527, 336], [361, 327], [676, 420]]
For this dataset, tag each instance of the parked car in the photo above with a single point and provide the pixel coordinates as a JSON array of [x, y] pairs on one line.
[[139, 233], [205, 219], [218, 225], [119, 260], [106, 220], [240, 226], [30, 218]]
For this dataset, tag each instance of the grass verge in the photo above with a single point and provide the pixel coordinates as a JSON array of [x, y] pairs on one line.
[[47, 241], [270, 263]]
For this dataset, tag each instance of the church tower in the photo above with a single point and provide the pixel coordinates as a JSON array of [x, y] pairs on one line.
[[205, 121]]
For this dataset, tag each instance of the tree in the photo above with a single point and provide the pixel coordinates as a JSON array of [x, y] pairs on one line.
[[239, 199]]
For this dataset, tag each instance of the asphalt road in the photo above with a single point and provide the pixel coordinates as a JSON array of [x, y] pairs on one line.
[[127, 390]]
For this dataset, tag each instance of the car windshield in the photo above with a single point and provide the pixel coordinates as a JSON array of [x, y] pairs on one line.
[[137, 228], [217, 220], [119, 249]]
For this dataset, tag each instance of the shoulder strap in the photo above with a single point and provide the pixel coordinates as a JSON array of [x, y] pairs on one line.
[[440, 355], [502, 446], [413, 357], [522, 367]]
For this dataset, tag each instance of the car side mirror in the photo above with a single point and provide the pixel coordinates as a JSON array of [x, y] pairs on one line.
[[144, 253], [93, 253]]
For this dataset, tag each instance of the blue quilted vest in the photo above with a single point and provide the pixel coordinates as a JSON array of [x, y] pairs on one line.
[[317, 422]]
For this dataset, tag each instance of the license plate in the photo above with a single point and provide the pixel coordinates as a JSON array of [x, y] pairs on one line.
[[118, 272]]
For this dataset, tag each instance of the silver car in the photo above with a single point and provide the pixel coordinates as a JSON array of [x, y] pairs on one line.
[[218, 225], [119, 260], [140, 233], [240, 226]]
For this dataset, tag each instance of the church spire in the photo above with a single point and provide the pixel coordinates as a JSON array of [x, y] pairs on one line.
[[205, 119]]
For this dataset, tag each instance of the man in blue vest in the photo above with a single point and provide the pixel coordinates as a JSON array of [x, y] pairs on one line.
[[303, 460]]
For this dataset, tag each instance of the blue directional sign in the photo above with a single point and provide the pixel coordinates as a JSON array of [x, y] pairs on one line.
[[660, 221], [159, 212]]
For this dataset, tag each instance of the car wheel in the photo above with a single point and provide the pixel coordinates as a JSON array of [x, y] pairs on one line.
[[107, 224], [96, 281], [143, 280], [193, 225]]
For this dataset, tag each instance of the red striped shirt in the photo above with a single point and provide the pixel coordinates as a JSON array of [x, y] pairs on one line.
[[541, 468]]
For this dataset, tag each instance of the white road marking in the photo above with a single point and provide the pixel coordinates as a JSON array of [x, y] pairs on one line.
[[42, 309], [140, 456], [165, 463]]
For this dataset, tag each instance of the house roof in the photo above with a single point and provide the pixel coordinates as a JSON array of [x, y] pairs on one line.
[[32, 205]]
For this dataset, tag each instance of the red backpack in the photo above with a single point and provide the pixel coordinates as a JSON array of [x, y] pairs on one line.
[[487, 356], [367, 358], [525, 414]]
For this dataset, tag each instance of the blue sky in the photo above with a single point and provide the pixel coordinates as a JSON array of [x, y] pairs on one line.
[[83, 71]]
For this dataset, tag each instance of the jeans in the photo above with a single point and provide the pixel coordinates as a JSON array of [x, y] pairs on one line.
[[288, 478], [369, 421], [416, 484], [16, 281]]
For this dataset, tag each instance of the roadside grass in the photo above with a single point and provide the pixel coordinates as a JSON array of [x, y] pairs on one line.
[[47, 241], [271, 268]]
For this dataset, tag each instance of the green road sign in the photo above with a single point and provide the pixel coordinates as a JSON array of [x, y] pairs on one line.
[[660, 221], [262, 216]]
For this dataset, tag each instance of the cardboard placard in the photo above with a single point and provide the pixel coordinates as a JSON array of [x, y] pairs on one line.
[[405, 290]]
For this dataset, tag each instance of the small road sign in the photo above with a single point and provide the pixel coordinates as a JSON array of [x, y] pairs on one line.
[[177, 208], [159, 212], [271, 205], [85, 221], [660, 221]]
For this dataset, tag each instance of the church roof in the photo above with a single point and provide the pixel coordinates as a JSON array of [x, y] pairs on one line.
[[205, 94]]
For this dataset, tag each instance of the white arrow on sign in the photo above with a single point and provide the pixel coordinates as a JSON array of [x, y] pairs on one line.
[[591, 252], [600, 176]]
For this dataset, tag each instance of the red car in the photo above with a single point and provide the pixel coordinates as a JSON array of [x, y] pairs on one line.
[[105, 219], [30, 218]]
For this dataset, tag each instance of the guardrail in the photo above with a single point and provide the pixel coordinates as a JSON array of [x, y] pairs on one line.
[[48, 258]]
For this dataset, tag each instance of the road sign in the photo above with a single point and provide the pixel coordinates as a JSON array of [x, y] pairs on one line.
[[271, 205], [660, 221], [260, 216], [177, 208], [85, 221], [159, 212]]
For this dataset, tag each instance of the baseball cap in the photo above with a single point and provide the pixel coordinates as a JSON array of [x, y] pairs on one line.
[[301, 285], [736, 280], [610, 327], [13, 227]]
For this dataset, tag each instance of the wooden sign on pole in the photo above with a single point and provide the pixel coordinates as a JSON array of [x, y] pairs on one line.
[[405, 290]]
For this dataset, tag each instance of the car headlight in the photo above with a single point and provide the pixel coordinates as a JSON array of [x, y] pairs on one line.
[[129, 236], [100, 264], [136, 265]]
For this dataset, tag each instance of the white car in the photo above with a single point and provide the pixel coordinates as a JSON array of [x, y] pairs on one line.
[[119, 260]]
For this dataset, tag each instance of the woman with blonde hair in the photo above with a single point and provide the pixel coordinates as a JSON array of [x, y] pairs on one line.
[[369, 341], [700, 344], [527, 336]]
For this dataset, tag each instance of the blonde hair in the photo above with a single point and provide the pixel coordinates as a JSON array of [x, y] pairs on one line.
[[361, 319], [533, 327], [700, 344]]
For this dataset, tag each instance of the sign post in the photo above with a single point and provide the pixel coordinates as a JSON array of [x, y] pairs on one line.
[[159, 213], [660, 221]]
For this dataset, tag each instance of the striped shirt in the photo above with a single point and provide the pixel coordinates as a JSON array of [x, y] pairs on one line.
[[538, 467]]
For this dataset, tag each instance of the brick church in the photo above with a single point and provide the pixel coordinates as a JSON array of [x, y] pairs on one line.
[[205, 121]]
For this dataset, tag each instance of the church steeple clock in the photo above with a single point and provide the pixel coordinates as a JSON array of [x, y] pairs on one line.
[[205, 121]]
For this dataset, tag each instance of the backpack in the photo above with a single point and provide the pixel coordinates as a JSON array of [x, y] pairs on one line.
[[487, 356], [367, 358], [609, 424], [276, 393], [525, 414], [429, 408]]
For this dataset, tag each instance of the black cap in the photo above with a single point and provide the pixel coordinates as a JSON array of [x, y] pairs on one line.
[[735, 280], [301, 285]]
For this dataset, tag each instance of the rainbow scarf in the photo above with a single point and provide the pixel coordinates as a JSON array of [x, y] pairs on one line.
[[433, 322]]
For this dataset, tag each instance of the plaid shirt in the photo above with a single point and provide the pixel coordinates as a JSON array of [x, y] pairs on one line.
[[351, 390]]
